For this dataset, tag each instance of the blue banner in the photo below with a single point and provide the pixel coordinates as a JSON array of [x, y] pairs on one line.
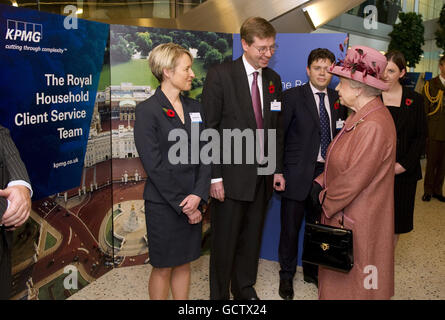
[[50, 72], [290, 62], [290, 59]]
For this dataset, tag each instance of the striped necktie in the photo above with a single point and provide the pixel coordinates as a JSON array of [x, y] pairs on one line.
[[324, 126]]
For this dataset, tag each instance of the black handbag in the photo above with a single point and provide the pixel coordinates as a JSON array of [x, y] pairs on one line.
[[328, 246]]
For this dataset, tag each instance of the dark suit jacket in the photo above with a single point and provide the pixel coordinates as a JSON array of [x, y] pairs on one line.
[[166, 182], [411, 135], [11, 168], [436, 122], [302, 136], [227, 104]]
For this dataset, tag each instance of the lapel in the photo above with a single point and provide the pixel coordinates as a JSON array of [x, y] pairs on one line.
[[334, 112], [165, 104], [187, 109], [310, 103], [267, 98], [404, 114], [242, 93]]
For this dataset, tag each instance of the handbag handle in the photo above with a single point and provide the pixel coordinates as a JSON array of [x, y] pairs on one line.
[[342, 225]]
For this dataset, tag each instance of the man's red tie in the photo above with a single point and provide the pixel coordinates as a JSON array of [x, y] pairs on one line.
[[256, 102]]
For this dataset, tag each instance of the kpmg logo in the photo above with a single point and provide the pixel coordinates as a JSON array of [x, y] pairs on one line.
[[23, 31]]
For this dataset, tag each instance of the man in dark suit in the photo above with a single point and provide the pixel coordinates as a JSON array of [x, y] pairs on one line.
[[312, 116], [435, 150], [243, 94], [15, 204]]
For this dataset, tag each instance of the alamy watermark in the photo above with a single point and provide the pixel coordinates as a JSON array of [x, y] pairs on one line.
[[233, 150], [70, 22], [370, 19], [371, 280], [71, 281]]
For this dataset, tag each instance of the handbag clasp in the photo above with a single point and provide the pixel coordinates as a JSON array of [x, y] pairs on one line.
[[324, 246]]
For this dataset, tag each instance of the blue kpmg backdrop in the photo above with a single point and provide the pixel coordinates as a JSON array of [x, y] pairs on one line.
[[48, 86], [290, 61], [50, 72]]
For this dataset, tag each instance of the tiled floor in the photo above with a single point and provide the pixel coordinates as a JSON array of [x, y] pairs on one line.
[[419, 269]]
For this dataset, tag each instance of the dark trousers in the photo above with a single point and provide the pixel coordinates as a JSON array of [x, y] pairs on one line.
[[292, 213], [236, 233], [5, 267], [435, 167]]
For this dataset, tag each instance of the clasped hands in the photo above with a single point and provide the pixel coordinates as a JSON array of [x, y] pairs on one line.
[[190, 208], [217, 188], [19, 206]]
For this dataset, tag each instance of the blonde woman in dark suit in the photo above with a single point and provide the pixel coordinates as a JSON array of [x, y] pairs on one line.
[[174, 193], [407, 110]]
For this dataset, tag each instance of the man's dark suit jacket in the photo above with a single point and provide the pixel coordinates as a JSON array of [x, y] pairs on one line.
[[227, 104], [11, 166], [168, 183], [302, 133]]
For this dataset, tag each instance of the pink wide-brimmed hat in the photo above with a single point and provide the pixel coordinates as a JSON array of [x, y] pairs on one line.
[[362, 64]]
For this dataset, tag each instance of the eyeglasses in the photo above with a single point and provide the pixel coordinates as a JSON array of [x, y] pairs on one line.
[[263, 50]]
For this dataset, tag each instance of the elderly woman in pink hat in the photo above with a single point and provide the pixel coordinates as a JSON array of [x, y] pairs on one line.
[[357, 185]]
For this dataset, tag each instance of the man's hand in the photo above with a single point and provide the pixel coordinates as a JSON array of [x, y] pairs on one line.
[[279, 184], [217, 191], [19, 206], [190, 204], [195, 217]]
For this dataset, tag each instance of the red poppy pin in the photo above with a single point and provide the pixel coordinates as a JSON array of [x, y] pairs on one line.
[[337, 104], [169, 112], [408, 102], [271, 87]]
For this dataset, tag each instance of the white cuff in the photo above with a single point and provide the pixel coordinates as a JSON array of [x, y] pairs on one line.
[[20, 183], [216, 180]]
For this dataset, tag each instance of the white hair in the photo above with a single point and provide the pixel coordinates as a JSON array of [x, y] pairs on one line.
[[368, 91]]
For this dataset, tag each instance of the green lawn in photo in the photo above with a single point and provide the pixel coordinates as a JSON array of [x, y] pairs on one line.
[[55, 290], [50, 241], [135, 71], [198, 68], [23, 243], [104, 80], [109, 231]]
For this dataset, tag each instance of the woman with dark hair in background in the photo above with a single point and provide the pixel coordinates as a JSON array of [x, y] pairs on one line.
[[407, 110]]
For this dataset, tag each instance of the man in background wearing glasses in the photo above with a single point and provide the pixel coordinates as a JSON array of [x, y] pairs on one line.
[[243, 94]]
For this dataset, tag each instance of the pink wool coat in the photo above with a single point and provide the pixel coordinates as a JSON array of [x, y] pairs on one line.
[[359, 181]]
